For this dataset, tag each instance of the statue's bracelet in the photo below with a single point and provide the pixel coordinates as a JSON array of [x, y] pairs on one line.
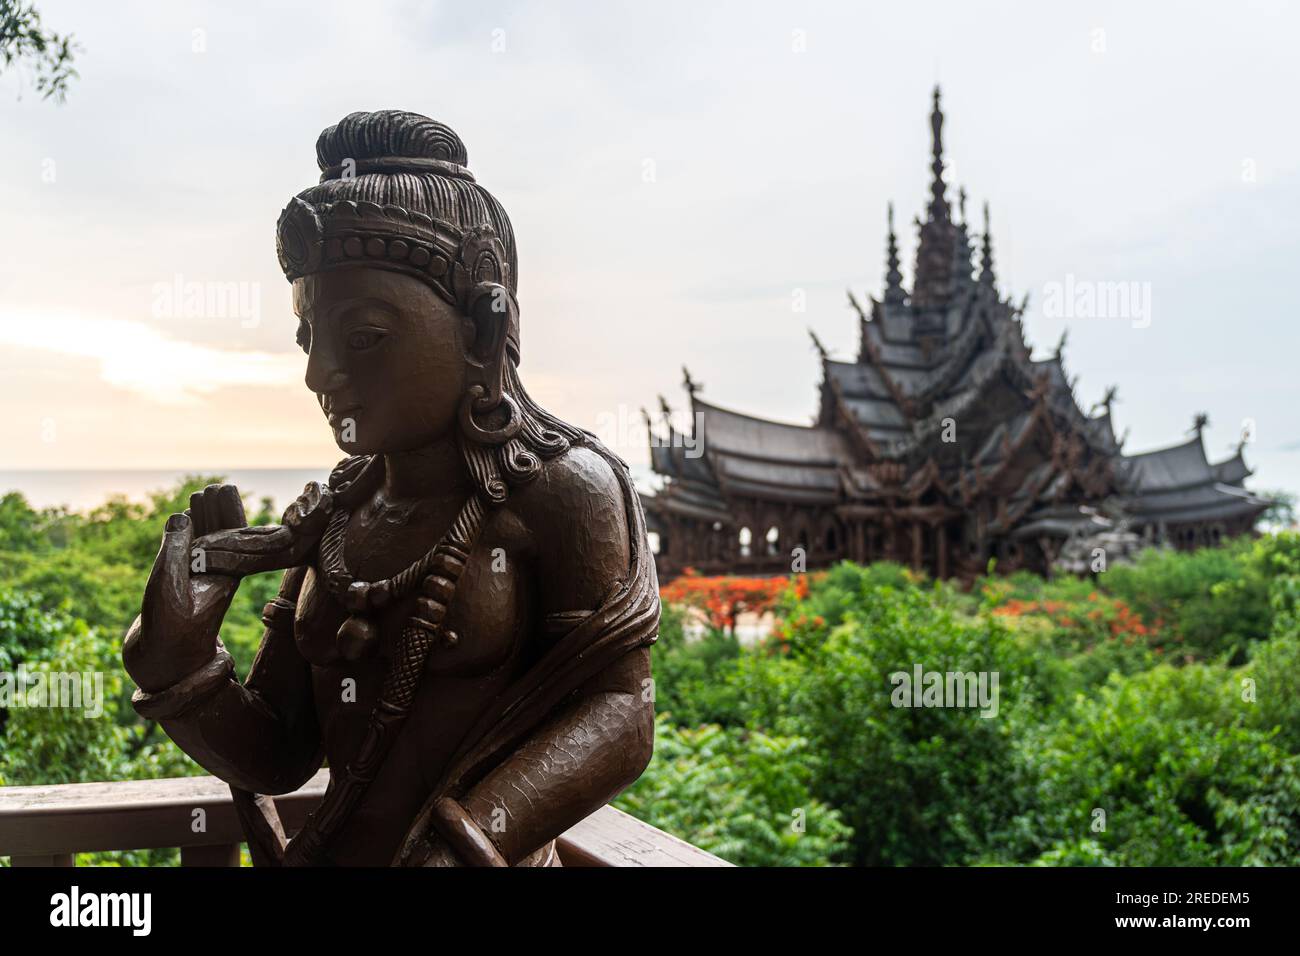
[[189, 690], [458, 828]]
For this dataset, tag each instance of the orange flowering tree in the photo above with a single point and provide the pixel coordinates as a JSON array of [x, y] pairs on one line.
[[725, 597], [1089, 621]]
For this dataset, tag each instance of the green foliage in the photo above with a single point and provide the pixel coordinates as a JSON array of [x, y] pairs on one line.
[[687, 687], [1275, 663], [25, 42], [918, 785], [1118, 693], [835, 596], [1275, 669], [741, 795], [20, 527], [1282, 512], [71, 586], [1166, 693], [1215, 599], [1164, 755]]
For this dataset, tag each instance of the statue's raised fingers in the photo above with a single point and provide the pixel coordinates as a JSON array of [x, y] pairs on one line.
[[195, 511], [212, 509], [230, 507], [168, 589]]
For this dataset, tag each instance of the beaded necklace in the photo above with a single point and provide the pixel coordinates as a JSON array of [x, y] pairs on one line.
[[438, 572]]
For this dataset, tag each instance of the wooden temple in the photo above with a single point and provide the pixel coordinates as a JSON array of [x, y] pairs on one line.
[[942, 445]]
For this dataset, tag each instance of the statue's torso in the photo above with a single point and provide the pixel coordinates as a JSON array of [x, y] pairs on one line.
[[494, 615]]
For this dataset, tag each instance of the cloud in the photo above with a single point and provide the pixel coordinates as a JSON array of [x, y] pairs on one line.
[[136, 357]]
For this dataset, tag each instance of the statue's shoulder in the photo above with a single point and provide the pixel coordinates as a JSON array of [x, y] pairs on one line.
[[580, 486]]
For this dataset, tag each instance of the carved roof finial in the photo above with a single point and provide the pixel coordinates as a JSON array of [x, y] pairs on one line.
[[689, 383], [665, 410], [1108, 399], [893, 278], [817, 344], [938, 202], [1200, 423], [1060, 345], [986, 257]]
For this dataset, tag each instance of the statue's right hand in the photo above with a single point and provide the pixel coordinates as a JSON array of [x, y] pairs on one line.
[[180, 617], [272, 547]]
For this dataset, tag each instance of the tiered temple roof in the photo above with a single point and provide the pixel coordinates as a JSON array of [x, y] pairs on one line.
[[944, 439]]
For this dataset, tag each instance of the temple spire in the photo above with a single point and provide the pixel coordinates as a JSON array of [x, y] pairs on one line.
[[932, 280], [939, 211], [893, 278], [986, 257]]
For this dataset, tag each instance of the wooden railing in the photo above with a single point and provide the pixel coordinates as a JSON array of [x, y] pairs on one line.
[[48, 826]]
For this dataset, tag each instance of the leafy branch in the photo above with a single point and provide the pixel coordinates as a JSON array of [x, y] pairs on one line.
[[47, 54]]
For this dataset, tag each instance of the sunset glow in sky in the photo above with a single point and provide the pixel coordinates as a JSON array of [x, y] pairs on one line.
[[681, 177]]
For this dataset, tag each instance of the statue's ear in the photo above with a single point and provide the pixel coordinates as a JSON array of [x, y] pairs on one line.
[[491, 312]]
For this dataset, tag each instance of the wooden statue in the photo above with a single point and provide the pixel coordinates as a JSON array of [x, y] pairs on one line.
[[464, 621]]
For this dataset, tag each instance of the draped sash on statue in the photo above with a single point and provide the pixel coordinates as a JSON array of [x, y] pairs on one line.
[[626, 619]]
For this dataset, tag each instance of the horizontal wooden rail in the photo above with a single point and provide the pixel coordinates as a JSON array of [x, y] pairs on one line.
[[47, 826]]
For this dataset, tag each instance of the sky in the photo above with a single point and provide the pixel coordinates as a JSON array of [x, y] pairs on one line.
[[691, 184]]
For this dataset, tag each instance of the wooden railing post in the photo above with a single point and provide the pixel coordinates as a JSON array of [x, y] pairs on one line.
[[219, 854]]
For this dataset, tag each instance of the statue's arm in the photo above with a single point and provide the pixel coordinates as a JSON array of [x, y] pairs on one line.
[[573, 765], [601, 740], [261, 735]]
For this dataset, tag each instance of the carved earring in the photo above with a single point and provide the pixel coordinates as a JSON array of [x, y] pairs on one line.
[[496, 435]]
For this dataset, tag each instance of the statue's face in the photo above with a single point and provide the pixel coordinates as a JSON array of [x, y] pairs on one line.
[[386, 358]]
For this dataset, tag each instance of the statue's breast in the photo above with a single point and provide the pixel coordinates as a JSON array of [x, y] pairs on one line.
[[489, 620]]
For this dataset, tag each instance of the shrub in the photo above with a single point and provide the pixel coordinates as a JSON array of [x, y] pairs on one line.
[[1215, 599], [1167, 758], [918, 786], [691, 677], [741, 795]]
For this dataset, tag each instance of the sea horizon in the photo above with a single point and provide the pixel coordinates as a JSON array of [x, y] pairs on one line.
[[80, 489]]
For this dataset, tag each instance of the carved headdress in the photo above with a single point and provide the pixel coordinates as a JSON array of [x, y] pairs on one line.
[[395, 194]]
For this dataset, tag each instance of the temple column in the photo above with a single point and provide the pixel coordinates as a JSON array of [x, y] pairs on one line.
[[916, 546]]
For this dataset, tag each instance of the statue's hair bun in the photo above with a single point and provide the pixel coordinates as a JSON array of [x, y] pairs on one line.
[[396, 158], [385, 133]]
